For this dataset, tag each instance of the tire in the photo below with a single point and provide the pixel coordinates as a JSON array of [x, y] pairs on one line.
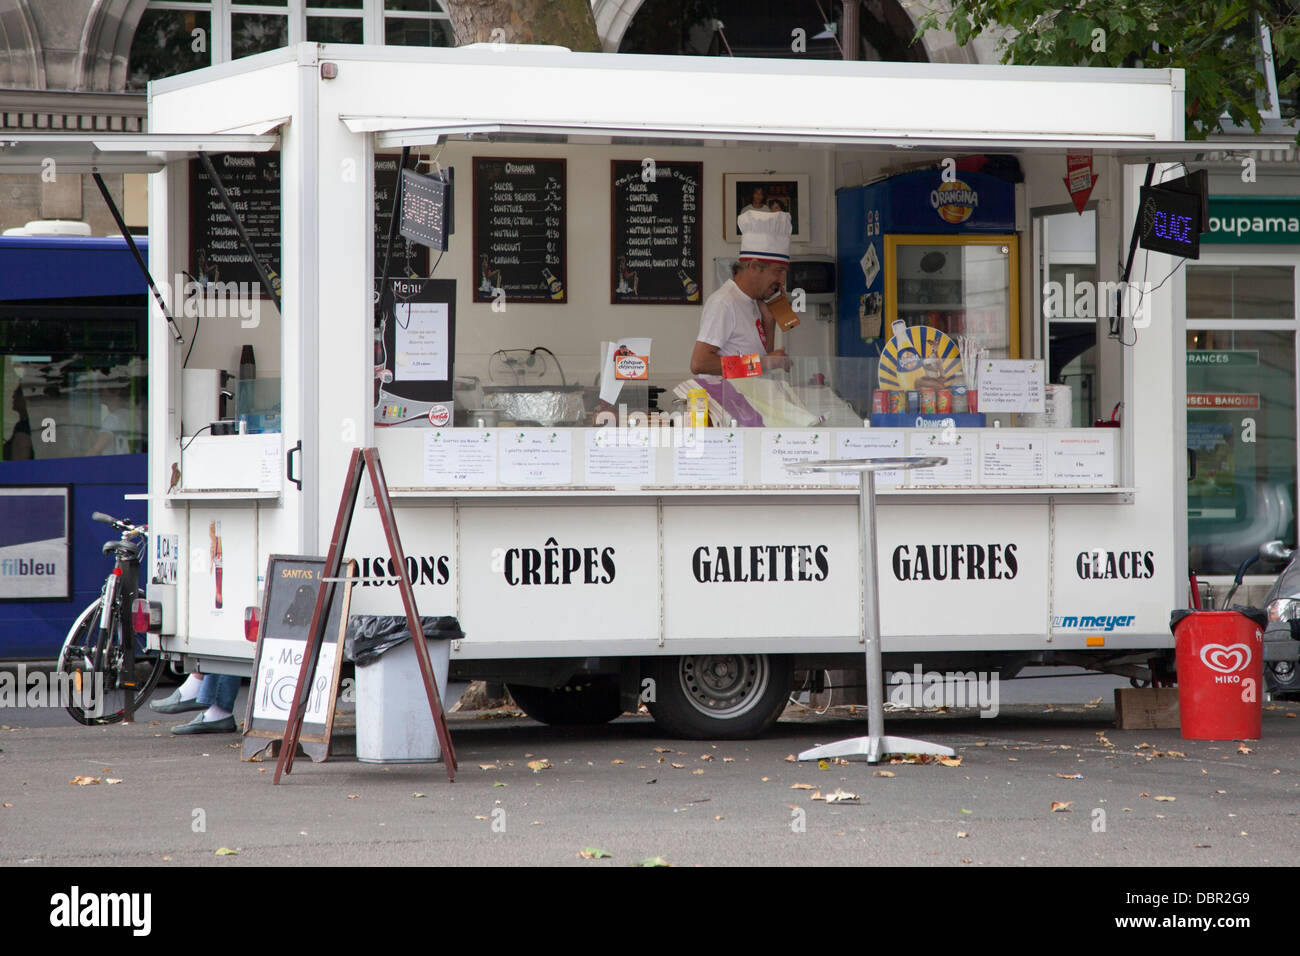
[[1282, 679], [583, 700], [93, 661], [722, 696]]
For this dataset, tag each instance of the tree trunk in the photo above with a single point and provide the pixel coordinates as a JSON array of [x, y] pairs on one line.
[[562, 22]]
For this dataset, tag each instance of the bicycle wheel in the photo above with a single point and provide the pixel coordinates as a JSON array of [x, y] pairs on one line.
[[96, 689]]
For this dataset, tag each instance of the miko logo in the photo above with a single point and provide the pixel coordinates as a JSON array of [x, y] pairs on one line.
[[1226, 659]]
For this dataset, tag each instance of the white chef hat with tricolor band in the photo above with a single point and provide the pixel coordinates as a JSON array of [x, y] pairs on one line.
[[764, 235]]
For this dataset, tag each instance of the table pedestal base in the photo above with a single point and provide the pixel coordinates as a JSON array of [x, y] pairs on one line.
[[875, 748]]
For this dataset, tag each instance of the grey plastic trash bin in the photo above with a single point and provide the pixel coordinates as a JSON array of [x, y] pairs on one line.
[[394, 724]]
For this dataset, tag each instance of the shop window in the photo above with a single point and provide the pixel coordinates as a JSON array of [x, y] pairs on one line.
[[169, 41], [416, 23], [1241, 444], [256, 33], [71, 406], [1240, 292]]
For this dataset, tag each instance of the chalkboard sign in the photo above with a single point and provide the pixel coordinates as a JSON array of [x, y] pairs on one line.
[[409, 259], [425, 202], [292, 582], [655, 221], [252, 181], [519, 230]]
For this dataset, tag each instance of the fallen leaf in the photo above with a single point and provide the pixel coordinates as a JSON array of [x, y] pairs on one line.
[[717, 816], [591, 853], [1013, 759], [417, 795], [1243, 749], [884, 773], [112, 780], [535, 823], [982, 743], [677, 766], [1061, 806], [801, 786], [353, 796], [728, 759], [841, 796], [1070, 776], [765, 779], [1096, 701], [962, 834], [537, 766], [652, 861], [1143, 746], [1144, 794], [950, 761], [965, 811], [6, 804], [1166, 799], [663, 750], [697, 771], [226, 851], [479, 816], [965, 859], [823, 765], [618, 761], [488, 766], [652, 780], [1174, 753], [1200, 846], [790, 758], [710, 757], [817, 795], [498, 783], [81, 781], [167, 859]]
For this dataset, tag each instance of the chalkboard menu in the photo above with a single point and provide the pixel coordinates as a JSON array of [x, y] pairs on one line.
[[519, 230], [655, 246], [252, 182], [410, 259]]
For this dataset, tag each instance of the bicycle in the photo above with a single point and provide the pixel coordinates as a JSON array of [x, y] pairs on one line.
[[102, 654]]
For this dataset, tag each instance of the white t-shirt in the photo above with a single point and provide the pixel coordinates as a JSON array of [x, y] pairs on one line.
[[729, 321]]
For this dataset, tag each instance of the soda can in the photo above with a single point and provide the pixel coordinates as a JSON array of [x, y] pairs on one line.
[[943, 401], [879, 402], [913, 401], [959, 403], [897, 402], [927, 401]]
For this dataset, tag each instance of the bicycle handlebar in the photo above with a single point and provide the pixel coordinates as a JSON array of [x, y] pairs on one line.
[[118, 523]]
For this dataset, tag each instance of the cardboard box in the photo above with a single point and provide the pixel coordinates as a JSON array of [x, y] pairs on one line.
[[1146, 708]]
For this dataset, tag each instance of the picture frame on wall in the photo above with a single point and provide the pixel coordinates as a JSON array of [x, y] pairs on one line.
[[775, 191]]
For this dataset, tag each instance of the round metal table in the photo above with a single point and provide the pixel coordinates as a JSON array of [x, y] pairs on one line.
[[875, 745]]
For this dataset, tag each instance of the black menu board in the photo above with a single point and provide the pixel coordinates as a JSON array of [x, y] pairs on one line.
[[252, 182], [519, 230], [409, 259], [655, 224]]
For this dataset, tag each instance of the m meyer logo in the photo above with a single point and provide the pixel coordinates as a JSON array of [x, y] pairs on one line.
[[1101, 622]]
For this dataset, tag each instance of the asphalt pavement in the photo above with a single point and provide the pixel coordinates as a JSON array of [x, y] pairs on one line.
[[528, 794]]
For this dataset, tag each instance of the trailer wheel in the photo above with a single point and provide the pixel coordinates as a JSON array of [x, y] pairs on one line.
[[1282, 679], [583, 700], [721, 696]]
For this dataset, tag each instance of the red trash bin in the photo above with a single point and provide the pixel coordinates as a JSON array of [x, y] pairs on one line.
[[1220, 659]]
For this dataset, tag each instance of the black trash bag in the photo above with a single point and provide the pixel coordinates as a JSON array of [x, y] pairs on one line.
[[370, 635]]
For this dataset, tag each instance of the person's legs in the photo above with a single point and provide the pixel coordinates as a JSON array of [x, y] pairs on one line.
[[183, 698], [217, 695]]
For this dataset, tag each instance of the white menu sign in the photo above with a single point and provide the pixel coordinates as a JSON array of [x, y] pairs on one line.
[[870, 443], [536, 456], [1012, 457], [1083, 457], [280, 662], [620, 456], [1012, 385], [781, 449], [461, 456], [957, 446], [421, 341], [710, 456]]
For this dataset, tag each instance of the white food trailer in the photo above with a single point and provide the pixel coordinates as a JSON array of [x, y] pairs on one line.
[[578, 570]]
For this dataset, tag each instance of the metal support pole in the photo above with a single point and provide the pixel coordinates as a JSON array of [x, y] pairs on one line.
[[135, 251]]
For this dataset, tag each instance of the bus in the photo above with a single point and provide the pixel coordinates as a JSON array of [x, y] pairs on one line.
[[73, 401]]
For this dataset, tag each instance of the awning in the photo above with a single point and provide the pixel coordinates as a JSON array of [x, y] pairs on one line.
[[393, 132], [118, 152]]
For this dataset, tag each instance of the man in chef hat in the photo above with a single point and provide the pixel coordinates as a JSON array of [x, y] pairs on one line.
[[736, 319]]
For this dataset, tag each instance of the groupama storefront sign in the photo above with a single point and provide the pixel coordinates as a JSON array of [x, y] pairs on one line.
[[1253, 220]]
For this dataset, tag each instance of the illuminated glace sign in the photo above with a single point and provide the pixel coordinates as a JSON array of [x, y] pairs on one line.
[[1169, 222]]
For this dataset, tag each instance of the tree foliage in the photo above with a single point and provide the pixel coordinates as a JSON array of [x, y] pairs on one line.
[[1214, 41]]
